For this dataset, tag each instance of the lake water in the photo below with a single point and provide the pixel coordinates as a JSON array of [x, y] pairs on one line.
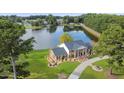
[[46, 39]]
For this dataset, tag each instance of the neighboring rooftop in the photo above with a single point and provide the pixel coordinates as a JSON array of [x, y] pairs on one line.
[[78, 44], [59, 51]]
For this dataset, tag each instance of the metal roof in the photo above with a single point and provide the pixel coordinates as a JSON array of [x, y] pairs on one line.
[[78, 44], [59, 52]]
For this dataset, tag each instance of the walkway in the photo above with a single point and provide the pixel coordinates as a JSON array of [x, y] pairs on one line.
[[77, 72], [91, 31]]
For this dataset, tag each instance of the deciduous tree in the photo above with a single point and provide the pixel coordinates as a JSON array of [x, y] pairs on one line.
[[66, 38], [112, 43], [11, 44]]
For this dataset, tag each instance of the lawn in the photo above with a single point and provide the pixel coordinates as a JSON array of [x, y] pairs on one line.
[[34, 27], [91, 74], [39, 69]]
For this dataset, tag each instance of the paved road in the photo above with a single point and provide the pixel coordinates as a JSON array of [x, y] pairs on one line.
[[77, 72]]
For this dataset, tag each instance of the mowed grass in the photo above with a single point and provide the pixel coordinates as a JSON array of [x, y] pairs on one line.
[[89, 73], [38, 66]]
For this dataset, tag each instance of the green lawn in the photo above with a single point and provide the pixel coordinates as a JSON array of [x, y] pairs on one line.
[[34, 27], [91, 74], [37, 27], [39, 69]]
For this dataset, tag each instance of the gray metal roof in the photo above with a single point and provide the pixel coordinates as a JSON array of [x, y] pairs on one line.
[[59, 51], [78, 44]]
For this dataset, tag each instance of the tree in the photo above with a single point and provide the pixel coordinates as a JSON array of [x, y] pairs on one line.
[[99, 22], [65, 19], [38, 22], [76, 19], [68, 19], [21, 69], [11, 44], [112, 43], [51, 20], [66, 38]]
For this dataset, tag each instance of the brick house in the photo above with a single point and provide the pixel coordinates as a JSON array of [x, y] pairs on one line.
[[72, 51]]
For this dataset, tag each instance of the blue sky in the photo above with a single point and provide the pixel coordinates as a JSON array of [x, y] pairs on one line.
[[55, 14], [28, 14]]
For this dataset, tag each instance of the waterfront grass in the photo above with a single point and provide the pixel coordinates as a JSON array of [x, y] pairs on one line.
[[37, 27], [38, 66], [34, 27]]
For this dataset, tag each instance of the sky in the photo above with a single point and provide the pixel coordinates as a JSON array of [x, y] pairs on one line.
[[61, 6], [28, 14], [55, 14]]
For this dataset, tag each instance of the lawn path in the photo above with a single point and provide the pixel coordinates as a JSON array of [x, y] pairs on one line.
[[91, 31], [77, 72]]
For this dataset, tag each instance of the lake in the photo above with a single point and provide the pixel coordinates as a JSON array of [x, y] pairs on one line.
[[46, 39]]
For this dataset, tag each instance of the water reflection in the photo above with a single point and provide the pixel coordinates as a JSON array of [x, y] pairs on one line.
[[72, 28], [50, 38], [52, 28]]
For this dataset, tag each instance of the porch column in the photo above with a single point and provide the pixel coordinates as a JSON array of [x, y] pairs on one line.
[[86, 51], [75, 52], [79, 53]]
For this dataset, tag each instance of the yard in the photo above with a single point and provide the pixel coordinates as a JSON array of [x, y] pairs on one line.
[[39, 69], [91, 74]]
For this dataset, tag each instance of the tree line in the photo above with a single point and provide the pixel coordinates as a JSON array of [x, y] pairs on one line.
[[100, 22]]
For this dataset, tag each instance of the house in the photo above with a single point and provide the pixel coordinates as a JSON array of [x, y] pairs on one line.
[[71, 51]]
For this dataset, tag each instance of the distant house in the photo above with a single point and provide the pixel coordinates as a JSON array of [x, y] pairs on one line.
[[59, 21], [45, 22], [72, 51]]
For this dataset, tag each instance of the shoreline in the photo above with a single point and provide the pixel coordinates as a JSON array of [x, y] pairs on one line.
[[92, 37]]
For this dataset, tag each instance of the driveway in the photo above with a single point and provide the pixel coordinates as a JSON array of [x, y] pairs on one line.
[[77, 72]]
